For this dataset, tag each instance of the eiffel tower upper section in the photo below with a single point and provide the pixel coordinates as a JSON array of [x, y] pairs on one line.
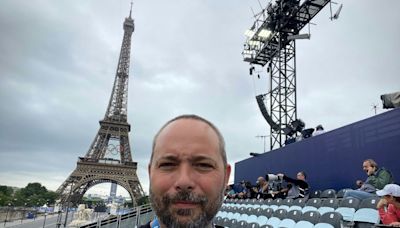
[[114, 126], [109, 157]]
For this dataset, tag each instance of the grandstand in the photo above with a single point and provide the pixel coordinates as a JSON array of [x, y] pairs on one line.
[[334, 212], [334, 159]]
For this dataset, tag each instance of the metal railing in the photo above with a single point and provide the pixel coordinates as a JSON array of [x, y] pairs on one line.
[[137, 217]]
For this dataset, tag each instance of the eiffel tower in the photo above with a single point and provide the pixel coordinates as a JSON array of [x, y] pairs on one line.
[[109, 157]]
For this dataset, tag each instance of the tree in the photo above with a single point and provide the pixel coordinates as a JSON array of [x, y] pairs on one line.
[[5, 195]]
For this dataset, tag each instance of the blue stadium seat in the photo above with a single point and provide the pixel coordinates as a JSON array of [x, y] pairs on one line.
[[323, 225], [300, 202], [347, 208], [281, 214], [225, 222], [315, 194], [252, 225], [288, 202], [243, 217], [218, 221], [330, 202], [369, 202], [284, 207], [312, 205], [257, 211], [294, 207], [262, 220], [232, 223], [295, 215], [304, 224], [250, 211], [328, 193], [266, 226], [287, 223], [240, 224], [252, 219], [277, 202], [268, 201], [268, 212], [366, 215], [311, 216], [274, 222], [315, 202], [332, 218]]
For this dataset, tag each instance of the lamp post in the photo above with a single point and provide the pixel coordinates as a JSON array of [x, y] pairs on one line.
[[8, 209], [59, 218], [22, 212], [45, 214], [68, 201]]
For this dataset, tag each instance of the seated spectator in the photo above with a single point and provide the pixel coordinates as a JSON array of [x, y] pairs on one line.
[[230, 192], [245, 193], [261, 190], [389, 205], [318, 130], [296, 188], [377, 179]]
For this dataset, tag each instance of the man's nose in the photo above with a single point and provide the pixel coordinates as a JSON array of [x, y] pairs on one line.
[[185, 180]]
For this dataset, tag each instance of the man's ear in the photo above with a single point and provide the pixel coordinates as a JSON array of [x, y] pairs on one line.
[[227, 173], [149, 169]]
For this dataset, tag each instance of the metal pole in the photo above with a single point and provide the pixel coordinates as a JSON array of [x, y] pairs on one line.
[[5, 221], [44, 222], [59, 218], [69, 199]]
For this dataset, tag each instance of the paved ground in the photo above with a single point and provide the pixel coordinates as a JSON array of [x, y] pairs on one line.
[[40, 222]]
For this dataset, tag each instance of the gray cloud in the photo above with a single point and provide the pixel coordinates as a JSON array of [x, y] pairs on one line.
[[58, 63]]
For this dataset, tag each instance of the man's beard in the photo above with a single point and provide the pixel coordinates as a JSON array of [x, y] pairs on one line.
[[168, 216]]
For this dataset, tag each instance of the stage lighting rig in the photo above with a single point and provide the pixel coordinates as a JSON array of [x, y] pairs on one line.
[[270, 42]]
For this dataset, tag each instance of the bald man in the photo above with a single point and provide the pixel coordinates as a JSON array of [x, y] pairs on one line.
[[188, 173]]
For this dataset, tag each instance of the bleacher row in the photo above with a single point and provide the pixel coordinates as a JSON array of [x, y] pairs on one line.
[[324, 209]]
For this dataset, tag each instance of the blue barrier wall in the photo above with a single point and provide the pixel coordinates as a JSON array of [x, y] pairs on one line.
[[333, 159]]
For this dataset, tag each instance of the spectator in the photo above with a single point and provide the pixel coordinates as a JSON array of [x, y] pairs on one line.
[[318, 130], [296, 188], [245, 193], [230, 192], [261, 190], [377, 179], [389, 205]]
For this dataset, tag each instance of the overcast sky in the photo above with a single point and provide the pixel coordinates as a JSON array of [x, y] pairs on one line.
[[58, 62]]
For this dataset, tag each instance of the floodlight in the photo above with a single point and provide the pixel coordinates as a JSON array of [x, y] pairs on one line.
[[254, 43], [299, 37], [249, 33], [264, 33], [307, 133]]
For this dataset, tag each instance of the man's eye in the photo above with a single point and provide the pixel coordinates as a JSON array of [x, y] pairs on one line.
[[166, 165], [204, 166]]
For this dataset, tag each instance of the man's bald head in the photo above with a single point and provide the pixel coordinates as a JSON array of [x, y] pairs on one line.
[[221, 141]]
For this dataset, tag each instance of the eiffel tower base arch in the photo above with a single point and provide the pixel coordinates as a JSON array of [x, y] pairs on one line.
[[89, 173]]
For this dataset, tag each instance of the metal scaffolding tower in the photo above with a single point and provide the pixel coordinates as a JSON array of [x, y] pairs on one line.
[[271, 44]]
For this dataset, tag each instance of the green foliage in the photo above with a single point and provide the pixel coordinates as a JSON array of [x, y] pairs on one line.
[[143, 200], [34, 194]]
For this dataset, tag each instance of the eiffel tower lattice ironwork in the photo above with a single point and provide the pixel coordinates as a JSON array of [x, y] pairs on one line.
[[109, 157]]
